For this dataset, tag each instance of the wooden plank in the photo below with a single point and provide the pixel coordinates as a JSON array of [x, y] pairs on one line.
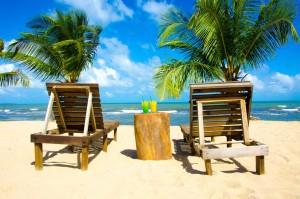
[[59, 139], [215, 153]]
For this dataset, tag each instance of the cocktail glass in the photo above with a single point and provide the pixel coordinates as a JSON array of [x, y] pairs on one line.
[[145, 106], [153, 105]]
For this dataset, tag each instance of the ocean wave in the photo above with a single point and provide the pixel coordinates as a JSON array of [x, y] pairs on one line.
[[170, 111], [269, 113], [125, 111], [291, 109], [281, 106], [131, 111], [34, 109], [6, 110]]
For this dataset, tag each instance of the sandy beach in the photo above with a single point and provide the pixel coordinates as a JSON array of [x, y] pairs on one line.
[[119, 174]]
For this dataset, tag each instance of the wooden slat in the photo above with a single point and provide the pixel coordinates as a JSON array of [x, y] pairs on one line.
[[76, 114], [76, 104], [220, 107], [98, 119], [219, 95], [56, 98], [80, 109], [219, 112], [228, 142], [220, 118], [79, 99]]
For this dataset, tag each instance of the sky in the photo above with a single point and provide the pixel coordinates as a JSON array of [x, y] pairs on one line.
[[128, 51]]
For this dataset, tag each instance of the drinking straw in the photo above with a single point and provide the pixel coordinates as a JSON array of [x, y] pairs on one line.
[[142, 99], [150, 99]]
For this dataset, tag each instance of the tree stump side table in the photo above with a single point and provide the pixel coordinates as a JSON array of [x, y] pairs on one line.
[[152, 136]]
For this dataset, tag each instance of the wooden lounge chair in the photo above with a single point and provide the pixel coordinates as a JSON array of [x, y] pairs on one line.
[[222, 109], [78, 114]]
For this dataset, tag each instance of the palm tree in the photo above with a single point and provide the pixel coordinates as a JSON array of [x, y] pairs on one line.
[[59, 47], [14, 77], [220, 39]]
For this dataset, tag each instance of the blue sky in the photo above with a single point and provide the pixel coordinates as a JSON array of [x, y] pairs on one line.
[[128, 52]]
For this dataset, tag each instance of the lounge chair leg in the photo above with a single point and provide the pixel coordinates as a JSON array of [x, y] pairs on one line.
[[71, 147], [105, 140], [260, 165], [115, 134], [229, 139], [193, 151], [208, 167], [213, 139], [38, 151], [84, 158]]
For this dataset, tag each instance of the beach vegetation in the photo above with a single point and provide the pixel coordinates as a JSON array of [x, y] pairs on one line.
[[221, 41], [13, 78], [57, 47]]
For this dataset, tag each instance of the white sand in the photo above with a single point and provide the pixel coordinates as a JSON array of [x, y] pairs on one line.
[[119, 174]]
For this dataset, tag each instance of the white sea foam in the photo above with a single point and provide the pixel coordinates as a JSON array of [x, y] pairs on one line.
[[34, 109], [171, 111], [291, 109], [131, 111], [281, 106], [269, 113], [6, 110]]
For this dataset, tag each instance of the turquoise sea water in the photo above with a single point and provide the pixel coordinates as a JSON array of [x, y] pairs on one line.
[[179, 112]]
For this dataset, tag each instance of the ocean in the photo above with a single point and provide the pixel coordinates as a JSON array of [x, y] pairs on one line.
[[179, 112]]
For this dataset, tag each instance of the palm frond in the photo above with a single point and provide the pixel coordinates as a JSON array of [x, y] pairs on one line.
[[272, 30], [173, 78], [14, 78]]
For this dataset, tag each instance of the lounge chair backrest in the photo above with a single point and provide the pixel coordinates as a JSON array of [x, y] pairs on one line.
[[70, 105], [220, 118]]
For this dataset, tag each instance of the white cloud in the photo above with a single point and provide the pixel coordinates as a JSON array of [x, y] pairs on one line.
[[115, 69], [105, 77], [6, 68], [155, 9], [258, 84], [282, 83], [108, 94], [102, 10], [276, 86], [117, 55]]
